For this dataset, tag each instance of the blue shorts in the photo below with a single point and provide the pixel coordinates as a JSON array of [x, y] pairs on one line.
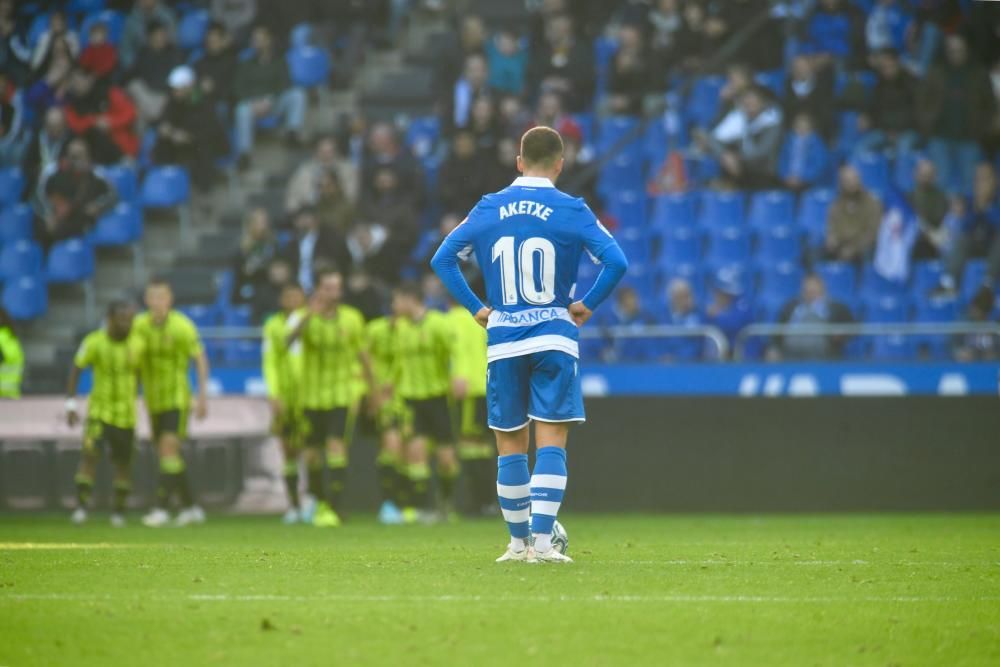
[[544, 386]]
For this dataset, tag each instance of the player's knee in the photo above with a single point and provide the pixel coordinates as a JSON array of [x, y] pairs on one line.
[[549, 434], [169, 445], [335, 447], [512, 442], [416, 451]]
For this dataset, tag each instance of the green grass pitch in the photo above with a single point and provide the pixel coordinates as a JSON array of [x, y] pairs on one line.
[[861, 590]]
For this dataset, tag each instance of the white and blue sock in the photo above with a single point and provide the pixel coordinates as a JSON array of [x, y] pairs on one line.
[[548, 484], [514, 491]]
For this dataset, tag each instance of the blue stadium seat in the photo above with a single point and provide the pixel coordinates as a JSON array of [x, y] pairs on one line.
[[122, 225], [635, 243], [39, 24], [85, 6], [691, 272], [203, 315], [242, 352], [738, 274], [192, 28], [309, 66], [770, 208], [70, 261], [874, 170], [703, 102], [781, 243], [768, 305], [781, 280], [20, 258], [773, 80], [972, 278], [674, 210], [25, 298], [16, 223], [681, 245], [887, 309], [937, 310], [847, 133], [165, 187], [926, 277], [623, 172], [422, 135], [812, 214], [664, 132], [11, 185], [613, 129], [629, 206], [115, 21], [840, 279], [237, 316], [123, 178], [873, 284], [903, 168], [587, 126], [729, 246], [721, 209], [894, 347], [300, 35]]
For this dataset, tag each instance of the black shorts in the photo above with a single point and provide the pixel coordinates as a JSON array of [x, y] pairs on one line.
[[120, 441], [168, 421], [473, 416], [322, 425], [432, 419]]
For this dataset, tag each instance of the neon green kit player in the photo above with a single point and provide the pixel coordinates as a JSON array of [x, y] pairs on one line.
[[424, 343], [112, 353], [169, 342], [468, 388], [283, 375], [332, 336]]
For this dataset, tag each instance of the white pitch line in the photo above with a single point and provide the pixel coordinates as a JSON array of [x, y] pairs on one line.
[[224, 597], [807, 563]]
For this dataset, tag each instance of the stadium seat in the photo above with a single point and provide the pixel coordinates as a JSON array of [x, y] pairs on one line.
[[681, 245], [729, 246], [19, 259], [812, 214], [115, 21], [721, 209], [873, 169], [25, 298], [300, 35], [123, 178], [242, 352], [847, 133], [780, 243], [11, 185], [773, 80], [691, 272], [614, 129], [894, 347], [781, 280], [673, 210], [85, 6], [237, 316], [422, 135], [623, 172], [16, 223], [635, 243], [309, 66], [39, 24], [937, 310], [768, 306], [70, 261], [703, 102], [770, 208], [120, 226], [873, 284], [840, 279], [926, 277], [664, 132], [192, 28], [972, 278], [629, 206], [165, 187], [887, 309], [202, 315], [903, 168]]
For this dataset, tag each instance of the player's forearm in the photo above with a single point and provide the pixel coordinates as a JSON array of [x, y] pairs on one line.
[[445, 265], [615, 265], [73, 381], [201, 363]]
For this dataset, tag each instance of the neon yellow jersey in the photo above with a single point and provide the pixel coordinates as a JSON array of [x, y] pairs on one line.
[[282, 364], [330, 359], [423, 356], [469, 351], [380, 345], [115, 365], [167, 351], [11, 364]]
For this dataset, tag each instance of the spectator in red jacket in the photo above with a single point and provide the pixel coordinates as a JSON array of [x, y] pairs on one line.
[[100, 56], [105, 116]]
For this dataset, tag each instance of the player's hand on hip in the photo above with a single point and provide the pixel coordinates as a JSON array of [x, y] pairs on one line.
[[580, 313], [483, 316]]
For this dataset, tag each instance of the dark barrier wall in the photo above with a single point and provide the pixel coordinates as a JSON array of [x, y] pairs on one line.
[[674, 455]]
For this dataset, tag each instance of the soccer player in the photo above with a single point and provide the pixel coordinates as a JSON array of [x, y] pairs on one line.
[[528, 239], [283, 376], [169, 342], [468, 388], [113, 354], [424, 344], [332, 335]]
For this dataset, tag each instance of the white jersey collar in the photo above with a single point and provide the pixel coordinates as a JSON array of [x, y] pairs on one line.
[[532, 182]]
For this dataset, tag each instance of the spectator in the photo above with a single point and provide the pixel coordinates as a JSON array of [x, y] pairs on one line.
[[189, 133], [252, 263], [503, 166], [216, 69], [764, 48], [576, 174], [333, 206], [469, 39], [462, 180], [666, 22], [100, 57], [313, 246], [811, 308], [105, 116], [388, 215], [15, 132], [930, 204], [263, 88], [835, 31], [485, 126], [267, 296], [304, 186], [804, 159], [747, 142], [809, 89], [681, 312], [977, 347], [887, 26], [148, 77], [73, 196], [977, 233], [956, 107], [46, 148], [15, 56], [52, 80], [697, 39], [563, 64], [728, 310], [892, 113], [626, 312], [236, 15], [852, 221], [739, 79], [384, 150], [630, 75], [897, 234], [11, 359], [137, 25], [58, 31], [507, 59], [469, 87], [513, 117]]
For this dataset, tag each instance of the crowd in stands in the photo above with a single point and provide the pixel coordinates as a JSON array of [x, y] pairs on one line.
[[799, 161]]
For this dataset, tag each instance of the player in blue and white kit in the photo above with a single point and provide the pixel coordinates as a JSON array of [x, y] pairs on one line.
[[528, 240]]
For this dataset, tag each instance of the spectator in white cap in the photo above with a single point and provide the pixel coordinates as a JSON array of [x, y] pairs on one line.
[[188, 133]]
